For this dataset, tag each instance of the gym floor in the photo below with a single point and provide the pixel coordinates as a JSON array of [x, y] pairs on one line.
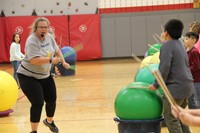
[[85, 100]]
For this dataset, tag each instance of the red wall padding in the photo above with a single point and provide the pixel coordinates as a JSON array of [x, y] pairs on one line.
[[3, 48], [60, 25], [66, 30], [85, 30]]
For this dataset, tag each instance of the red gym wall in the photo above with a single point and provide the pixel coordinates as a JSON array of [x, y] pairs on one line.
[[70, 30]]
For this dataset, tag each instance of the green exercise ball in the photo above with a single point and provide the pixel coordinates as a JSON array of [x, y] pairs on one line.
[[136, 103], [144, 74], [143, 85], [153, 49], [138, 85]]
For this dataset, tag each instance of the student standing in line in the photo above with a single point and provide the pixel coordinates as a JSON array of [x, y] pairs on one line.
[[174, 69], [15, 54], [190, 39]]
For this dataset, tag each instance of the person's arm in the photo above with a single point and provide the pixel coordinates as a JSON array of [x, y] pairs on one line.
[[44, 60], [164, 65], [189, 119], [195, 112], [175, 111], [13, 51], [21, 54], [152, 87], [166, 56], [62, 60]]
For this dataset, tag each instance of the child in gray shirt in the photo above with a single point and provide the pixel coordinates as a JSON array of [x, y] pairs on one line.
[[175, 71]]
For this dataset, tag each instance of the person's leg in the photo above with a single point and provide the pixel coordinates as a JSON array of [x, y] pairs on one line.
[[33, 90], [194, 99], [15, 65], [192, 102], [49, 89], [183, 103], [173, 124], [197, 94]]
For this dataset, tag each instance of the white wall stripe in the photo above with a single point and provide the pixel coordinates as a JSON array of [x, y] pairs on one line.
[[135, 3]]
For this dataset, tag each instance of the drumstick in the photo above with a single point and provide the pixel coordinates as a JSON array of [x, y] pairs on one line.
[[60, 41], [155, 38], [72, 67], [159, 37], [152, 47], [193, 25]]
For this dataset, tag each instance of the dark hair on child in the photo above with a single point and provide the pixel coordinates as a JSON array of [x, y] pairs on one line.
[[13, 37], [193, 35], [174, 28]]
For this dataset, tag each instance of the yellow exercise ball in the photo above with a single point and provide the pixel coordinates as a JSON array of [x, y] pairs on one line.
[[155, 58], [146, 61], [8, 91]]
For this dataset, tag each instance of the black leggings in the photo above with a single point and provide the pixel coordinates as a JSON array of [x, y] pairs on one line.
[[38, 91]]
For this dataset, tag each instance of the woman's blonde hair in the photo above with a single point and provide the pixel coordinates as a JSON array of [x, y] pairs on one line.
[[195, 27], [34, 25]]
